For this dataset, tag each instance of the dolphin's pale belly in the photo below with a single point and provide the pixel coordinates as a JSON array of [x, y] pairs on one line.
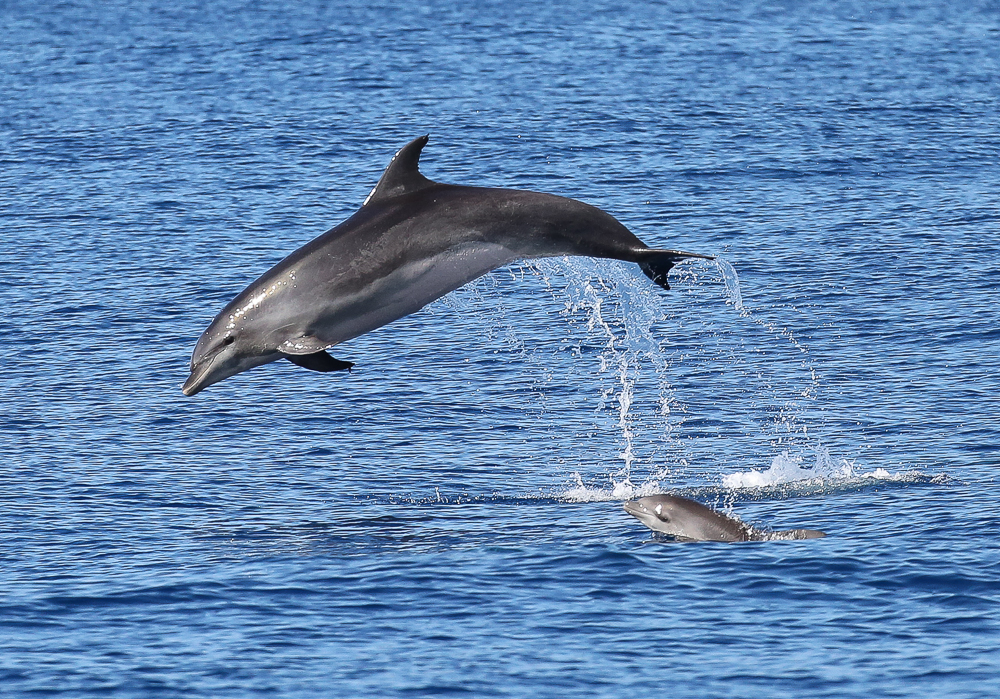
[[405, 290]]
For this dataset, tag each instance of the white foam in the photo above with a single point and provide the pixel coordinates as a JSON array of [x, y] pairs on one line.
[[789, 468], [619, 491]]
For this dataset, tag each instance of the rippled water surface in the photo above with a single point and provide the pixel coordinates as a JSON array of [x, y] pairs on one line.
[[446, 519]]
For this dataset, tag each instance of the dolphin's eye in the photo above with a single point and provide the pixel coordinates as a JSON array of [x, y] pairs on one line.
[[229, 340], [663, 517]]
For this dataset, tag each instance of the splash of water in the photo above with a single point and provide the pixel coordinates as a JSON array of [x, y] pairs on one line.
[[776, 388], [787, 425], [623, 490], [763, 390], [789, 468], [789, 475], [625, 326], [734, 296]]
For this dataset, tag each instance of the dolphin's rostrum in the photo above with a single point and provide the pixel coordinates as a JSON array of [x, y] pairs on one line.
[[687, 520], [411, 242]]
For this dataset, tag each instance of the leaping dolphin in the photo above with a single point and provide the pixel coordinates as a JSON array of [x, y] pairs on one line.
[[411, 242], [687, 520]]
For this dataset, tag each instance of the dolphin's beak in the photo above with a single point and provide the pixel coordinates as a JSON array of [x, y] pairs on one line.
[[192, 385], [200, 378], [634, 508], [221, 365]]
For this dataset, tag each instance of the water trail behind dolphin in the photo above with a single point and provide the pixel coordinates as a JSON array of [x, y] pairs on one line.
[[622, 310], [762, 381], [688, 391]]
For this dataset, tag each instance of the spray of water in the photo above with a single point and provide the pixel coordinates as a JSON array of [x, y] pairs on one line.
[[734, 296], [754, 377], [787, 428], [766, 380], [621, 309]]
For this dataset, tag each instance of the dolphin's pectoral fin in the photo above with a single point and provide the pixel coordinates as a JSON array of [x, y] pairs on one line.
[[656, 264], [309, 352], [318, 361]]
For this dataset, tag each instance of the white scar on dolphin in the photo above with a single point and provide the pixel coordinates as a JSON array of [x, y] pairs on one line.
[[687, 520], [411, 242]]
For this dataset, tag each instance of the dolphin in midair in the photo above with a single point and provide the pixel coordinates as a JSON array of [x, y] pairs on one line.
[[687, 520], [411, 242]]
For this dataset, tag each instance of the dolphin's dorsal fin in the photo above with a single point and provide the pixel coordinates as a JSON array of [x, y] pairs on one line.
[[402, 176]]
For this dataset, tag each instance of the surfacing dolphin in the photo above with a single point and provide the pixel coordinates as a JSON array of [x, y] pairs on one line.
[[687, 520], [411, 242]]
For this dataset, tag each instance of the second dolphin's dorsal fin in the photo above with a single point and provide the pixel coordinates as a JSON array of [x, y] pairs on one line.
[[403, 175]]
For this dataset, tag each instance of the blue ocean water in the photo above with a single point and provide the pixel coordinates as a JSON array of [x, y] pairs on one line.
[[446, 519]]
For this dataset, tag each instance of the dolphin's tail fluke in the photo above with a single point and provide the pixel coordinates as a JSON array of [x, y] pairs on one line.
[[655, 264]]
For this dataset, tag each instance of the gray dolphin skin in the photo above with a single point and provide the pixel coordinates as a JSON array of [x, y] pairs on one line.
[[411, 242], [687, 520]]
